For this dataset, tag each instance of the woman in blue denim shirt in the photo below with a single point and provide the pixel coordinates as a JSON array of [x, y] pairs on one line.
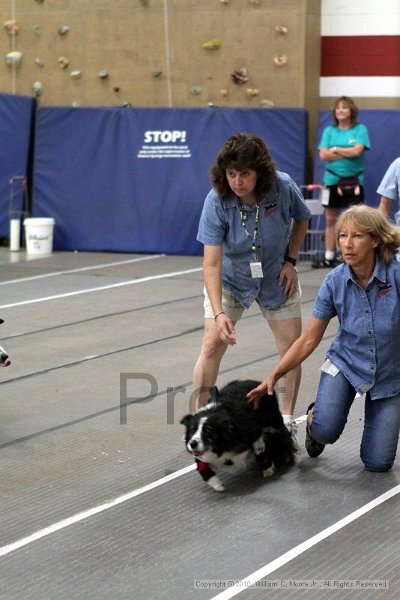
[[252, 225], [364, 358]]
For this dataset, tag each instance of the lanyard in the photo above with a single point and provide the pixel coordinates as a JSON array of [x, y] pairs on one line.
[[243, 217]]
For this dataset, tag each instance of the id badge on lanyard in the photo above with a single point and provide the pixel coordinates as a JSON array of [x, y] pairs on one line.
[[256, 269], [255, 265]]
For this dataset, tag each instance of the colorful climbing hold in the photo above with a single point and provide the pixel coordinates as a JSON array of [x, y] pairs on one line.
[[212, 44], [38, 88], [11, 27], [240, 75], [266, 103], [280, 60], [76, 75], [13, 59], [63, 30], [251, 92], [63, 62]]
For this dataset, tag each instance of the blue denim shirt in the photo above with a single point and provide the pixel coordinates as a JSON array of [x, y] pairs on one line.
[[390, 184], [367, 346], [221, 224]]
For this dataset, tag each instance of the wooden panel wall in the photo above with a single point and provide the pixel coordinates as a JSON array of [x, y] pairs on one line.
[[135, 39]]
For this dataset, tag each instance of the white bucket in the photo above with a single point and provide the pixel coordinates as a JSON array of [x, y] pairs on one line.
[[39, 235]]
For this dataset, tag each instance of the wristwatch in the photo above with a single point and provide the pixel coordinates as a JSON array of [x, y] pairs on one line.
[[290, 260]]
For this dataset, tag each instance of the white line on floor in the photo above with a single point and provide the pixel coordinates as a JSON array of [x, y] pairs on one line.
[[81, 269], [97, 509], [252, 579], [91, 512], [103, 287], [248, 581]]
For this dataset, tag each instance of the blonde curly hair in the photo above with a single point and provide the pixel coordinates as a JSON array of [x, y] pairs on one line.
[[369, 219]]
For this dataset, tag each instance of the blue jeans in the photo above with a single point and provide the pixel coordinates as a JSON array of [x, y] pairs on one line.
[[381, 421]]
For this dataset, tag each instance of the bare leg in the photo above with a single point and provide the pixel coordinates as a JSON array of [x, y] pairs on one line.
[[207, 366], [331, 215], [285, 332]]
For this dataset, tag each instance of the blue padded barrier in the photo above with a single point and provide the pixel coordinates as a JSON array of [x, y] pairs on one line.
[[16, 128], [134, 180], [384, 133]]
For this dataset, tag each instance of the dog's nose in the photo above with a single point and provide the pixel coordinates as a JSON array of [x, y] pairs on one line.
[[3, 356], [194, 444]]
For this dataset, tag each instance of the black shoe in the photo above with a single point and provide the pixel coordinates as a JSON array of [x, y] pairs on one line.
[[313, 447], [324, 263]]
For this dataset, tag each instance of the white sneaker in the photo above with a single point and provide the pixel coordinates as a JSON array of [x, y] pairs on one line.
[[292, 428]]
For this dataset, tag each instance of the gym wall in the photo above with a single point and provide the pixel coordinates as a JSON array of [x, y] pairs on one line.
[[152, 51]]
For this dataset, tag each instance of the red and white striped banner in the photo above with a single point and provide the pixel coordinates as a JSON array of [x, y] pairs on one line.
[[360, 48]]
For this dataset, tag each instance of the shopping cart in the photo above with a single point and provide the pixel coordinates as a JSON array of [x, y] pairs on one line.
[[313, 243]]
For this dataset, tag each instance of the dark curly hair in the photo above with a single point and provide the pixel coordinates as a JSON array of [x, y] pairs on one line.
[[351, 105], [244, 151]]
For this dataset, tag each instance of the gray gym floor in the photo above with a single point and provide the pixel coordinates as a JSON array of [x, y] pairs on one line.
[[99, 498]]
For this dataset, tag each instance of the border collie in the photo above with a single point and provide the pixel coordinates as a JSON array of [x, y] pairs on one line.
[[228, 430]]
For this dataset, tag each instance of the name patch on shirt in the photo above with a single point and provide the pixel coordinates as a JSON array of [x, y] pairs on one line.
[[384, 290], [269, 209]]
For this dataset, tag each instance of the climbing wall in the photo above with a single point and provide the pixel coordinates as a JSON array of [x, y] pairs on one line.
[[185, 53]]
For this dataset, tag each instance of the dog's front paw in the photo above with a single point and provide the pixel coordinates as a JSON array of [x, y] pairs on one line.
[[268, 472], [216, 484]]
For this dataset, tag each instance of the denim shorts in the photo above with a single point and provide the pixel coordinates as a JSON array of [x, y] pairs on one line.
[[234, 309]]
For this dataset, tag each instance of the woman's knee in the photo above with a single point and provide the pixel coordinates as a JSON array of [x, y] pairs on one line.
[[325, 430], [376, 462], [331, 215], [377, 466], [213, 348], [325, 435]]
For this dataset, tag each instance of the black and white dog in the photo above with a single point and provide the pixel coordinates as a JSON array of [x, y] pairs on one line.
[[228, 430]]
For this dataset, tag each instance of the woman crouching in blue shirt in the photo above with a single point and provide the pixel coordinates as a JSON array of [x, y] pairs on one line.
[[364, 357], [253, 223]]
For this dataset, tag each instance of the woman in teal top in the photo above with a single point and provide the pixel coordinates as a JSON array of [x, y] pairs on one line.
[[342, 147]]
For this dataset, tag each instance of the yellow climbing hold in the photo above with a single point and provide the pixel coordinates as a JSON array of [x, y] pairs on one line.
[[212, 45]]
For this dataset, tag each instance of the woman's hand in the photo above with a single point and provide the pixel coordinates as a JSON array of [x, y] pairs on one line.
[[226, 330], [288, 277], [265, 387]]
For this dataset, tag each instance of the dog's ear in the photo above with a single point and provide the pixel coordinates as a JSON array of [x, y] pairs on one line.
[[186, 420]]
